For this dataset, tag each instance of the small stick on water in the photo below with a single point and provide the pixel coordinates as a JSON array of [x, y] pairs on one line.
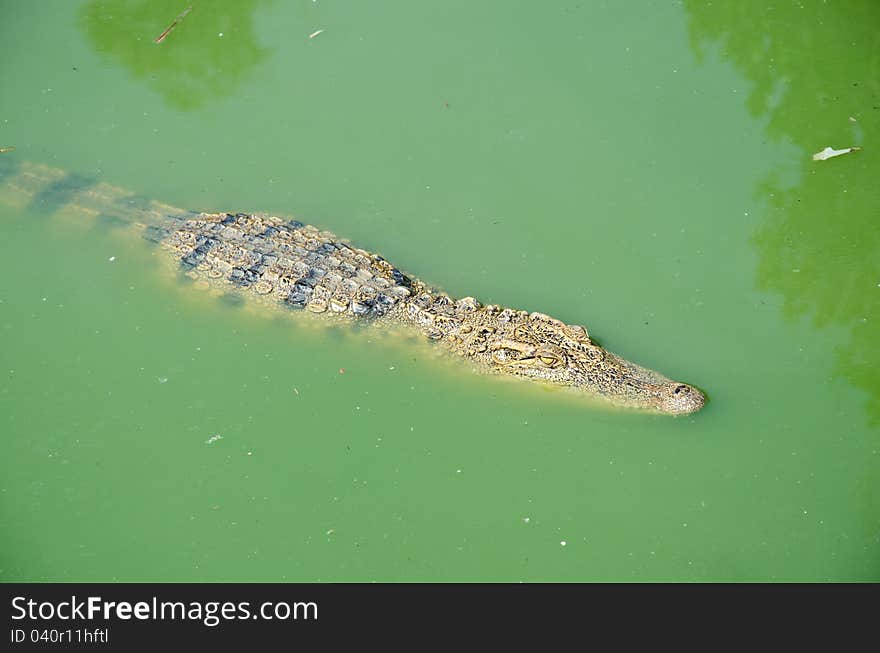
[[174, 24], [314, 34], [4, 150]]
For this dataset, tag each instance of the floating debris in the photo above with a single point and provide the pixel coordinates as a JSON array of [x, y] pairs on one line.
[[111, 259], [174, 24], [214, 438], [314, 34], [163, 379], [4, 150], [830, 152]]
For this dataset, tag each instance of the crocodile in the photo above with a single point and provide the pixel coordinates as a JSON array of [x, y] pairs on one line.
[[288, 265]]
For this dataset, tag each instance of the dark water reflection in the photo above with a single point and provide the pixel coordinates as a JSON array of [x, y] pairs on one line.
[[814, 69], [194, 64]]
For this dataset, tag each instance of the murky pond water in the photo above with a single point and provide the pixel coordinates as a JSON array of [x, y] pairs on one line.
[[645, 171]]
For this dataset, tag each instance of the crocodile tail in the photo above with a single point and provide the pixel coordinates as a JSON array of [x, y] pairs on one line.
[[43, 190]]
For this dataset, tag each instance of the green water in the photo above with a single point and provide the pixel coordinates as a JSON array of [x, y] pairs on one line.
[[644, 169]]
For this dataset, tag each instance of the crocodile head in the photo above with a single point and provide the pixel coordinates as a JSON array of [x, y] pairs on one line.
[[540, 347]]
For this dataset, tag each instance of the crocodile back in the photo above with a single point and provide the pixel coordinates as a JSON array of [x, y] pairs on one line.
[[294, 264]]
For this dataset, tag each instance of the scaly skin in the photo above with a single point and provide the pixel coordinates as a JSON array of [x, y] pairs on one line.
[[297, 266], [291, 265]]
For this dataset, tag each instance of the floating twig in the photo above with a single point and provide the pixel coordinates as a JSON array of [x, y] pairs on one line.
[[4, 150], [314, 34], [174, 24]]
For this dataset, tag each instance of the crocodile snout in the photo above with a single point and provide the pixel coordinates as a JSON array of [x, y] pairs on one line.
[[681, 399]]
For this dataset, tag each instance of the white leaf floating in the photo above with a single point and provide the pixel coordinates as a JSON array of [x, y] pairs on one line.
[[830, 153]]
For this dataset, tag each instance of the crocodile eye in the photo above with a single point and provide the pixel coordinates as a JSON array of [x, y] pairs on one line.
[[505, 355], [678, 389], [549, 361]]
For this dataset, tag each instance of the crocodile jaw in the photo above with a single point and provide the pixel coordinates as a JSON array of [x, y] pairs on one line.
[[650, 390]]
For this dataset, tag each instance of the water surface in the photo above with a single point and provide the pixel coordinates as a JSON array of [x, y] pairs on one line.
[[643, 170]]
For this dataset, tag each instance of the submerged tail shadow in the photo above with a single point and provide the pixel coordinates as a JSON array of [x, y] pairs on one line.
[[60, 193]]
